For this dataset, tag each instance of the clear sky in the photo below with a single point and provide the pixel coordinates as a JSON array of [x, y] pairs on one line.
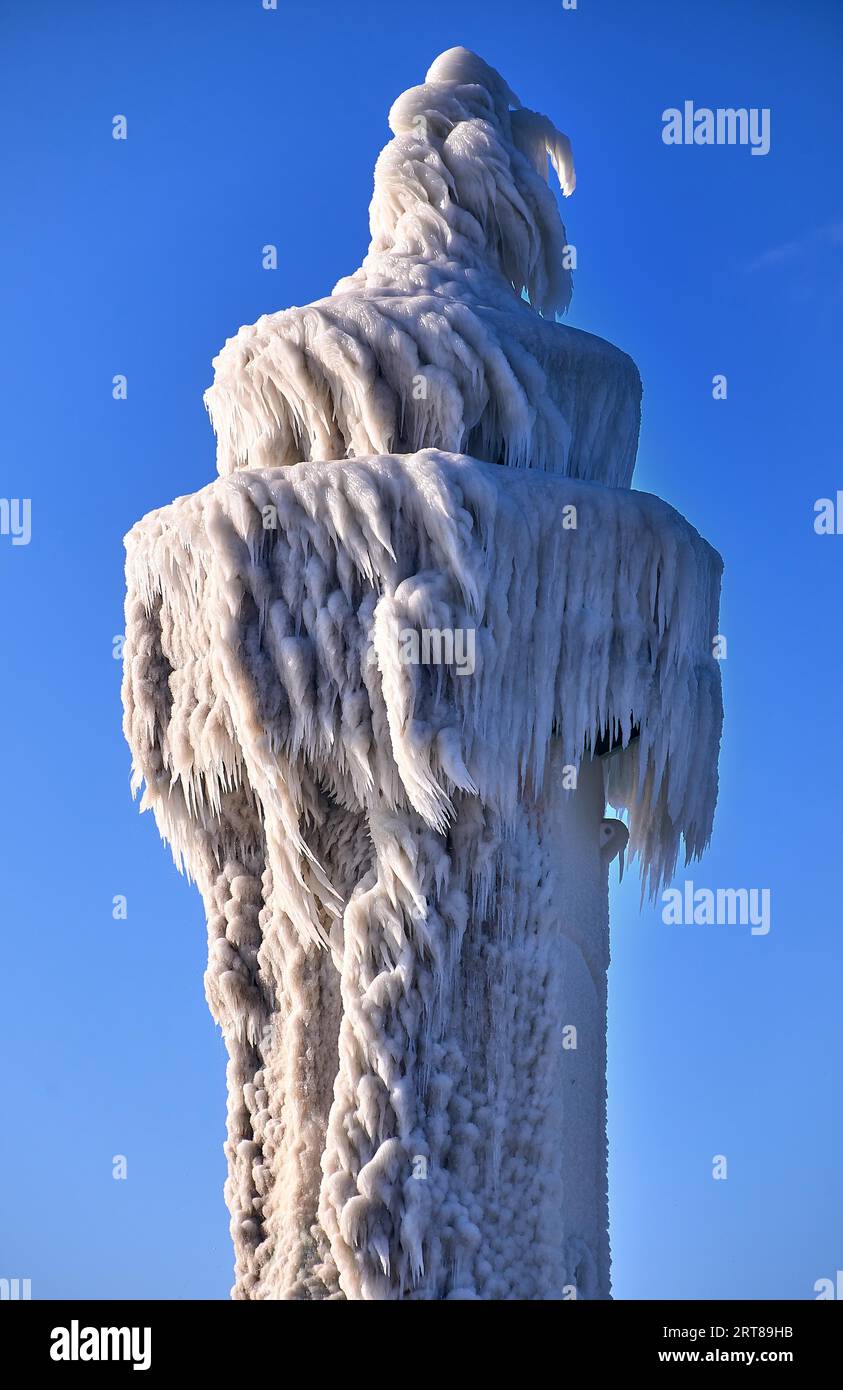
[[248, 127]]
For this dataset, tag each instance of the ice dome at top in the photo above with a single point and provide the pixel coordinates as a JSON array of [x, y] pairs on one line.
[[405, 865]]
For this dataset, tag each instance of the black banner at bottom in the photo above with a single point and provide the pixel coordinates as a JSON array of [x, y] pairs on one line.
[[81, 1338]]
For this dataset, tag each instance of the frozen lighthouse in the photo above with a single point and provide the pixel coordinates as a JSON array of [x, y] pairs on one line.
[[382, 678]]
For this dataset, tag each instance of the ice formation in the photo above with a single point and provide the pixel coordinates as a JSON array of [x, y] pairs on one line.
[[404, 863]]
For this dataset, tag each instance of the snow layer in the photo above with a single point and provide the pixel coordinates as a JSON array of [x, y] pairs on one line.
[[406, 899]]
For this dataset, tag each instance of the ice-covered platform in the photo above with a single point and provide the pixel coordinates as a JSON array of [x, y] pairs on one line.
[[593, 609], [372, 373]]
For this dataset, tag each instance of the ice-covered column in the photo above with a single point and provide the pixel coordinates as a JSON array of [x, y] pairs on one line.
[[382, 678]]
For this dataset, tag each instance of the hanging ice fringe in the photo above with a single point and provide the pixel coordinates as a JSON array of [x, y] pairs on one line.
[[366, 694]]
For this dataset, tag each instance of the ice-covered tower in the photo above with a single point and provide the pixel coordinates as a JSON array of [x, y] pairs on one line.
[[382, 678]]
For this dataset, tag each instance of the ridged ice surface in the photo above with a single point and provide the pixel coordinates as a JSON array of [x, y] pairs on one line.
[[406, 899], [427, 346]]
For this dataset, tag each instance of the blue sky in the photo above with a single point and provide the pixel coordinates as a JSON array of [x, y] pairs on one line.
[[140, 257]]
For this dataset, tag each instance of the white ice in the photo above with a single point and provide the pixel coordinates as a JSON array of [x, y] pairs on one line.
[[405, 902]]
